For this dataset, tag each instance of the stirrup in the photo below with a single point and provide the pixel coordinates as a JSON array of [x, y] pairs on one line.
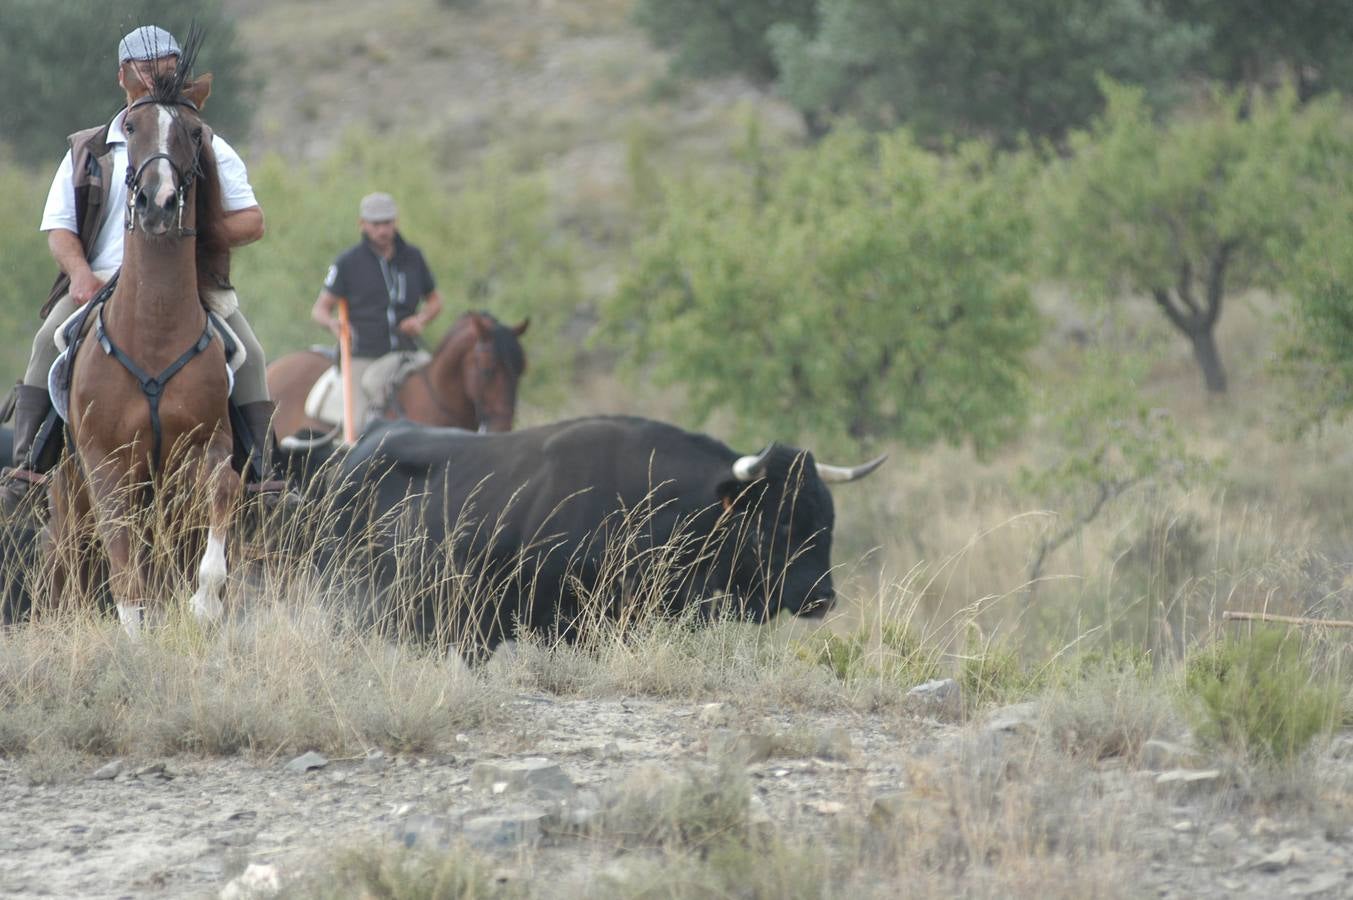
[[273, 492], [10, 474]]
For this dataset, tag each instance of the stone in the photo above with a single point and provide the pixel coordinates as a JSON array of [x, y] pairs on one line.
[[110, 770], [504, 832], [1018, 718], [939, 697], [715, 715], [1279, 859], [1325, 883], [305, 762], [889, 808], [425, 832], [1162, 756], [153, 770], [740, 746], [834, 743], [534, 774], [1187, 781], [1223, 836], [376, 761], [1263, 827], [256, 882]]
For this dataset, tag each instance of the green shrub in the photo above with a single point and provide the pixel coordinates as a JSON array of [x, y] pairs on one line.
[[1260, 696], [895, 655], [991, 673]]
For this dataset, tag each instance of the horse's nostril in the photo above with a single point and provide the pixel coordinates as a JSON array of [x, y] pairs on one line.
[[171, 201], [141, 200]]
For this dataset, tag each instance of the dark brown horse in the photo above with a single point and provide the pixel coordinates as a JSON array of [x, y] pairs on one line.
[[470, 382], [149, 392]]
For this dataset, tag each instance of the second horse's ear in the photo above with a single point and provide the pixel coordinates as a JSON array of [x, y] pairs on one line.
[[519, 330], [198, 90]]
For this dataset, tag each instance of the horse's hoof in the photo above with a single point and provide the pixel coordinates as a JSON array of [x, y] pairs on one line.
[[206, 608]]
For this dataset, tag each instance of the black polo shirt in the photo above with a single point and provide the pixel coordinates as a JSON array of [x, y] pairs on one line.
[[380, 294]]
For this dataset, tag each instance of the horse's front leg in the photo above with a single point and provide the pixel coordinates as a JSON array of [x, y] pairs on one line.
[[223, 487], [113, 492]]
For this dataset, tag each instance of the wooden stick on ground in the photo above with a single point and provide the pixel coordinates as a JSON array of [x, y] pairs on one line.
[[1290, 620]]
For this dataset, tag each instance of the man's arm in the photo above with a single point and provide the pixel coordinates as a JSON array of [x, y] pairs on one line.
[[323, 310], [69, 254], [244, 226], [414, 324]]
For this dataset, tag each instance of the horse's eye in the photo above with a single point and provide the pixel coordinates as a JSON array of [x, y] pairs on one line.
[[127, 127], [197, 134]]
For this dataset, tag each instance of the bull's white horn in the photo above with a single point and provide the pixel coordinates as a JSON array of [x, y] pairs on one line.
[[842, 474], [750, 468]]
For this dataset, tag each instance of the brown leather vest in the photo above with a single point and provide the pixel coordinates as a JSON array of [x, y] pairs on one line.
[[91, 173]]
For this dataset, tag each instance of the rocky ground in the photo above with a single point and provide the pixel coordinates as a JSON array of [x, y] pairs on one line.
[[527, 795]]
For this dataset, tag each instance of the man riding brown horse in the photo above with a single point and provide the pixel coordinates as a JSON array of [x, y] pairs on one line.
[[84, 220], [382, 280]]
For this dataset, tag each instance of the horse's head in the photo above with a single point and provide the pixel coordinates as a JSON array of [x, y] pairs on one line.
[[492, 368], [164, 154]]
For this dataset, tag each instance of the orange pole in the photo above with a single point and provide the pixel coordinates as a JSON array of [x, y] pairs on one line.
[[345, 370]]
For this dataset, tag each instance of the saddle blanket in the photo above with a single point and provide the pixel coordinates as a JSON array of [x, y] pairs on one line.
[[379, 382], [73, 331]]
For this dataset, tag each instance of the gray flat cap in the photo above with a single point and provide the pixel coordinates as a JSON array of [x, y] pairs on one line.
[[146, 42], [378, 207]]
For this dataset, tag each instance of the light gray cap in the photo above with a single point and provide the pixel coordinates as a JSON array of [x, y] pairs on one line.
[[146, 42], [378, 207]]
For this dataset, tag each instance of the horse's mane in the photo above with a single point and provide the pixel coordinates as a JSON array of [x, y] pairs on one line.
[[505, 344], [213, 247]]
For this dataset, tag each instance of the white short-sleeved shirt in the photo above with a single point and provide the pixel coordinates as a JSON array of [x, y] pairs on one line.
[[106, 254]]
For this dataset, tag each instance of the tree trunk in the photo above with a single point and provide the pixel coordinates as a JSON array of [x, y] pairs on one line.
[[1209, 360]]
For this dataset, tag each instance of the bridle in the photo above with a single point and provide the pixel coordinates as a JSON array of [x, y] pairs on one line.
[[184, 179]]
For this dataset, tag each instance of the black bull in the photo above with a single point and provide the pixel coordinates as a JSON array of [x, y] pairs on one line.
[[469, 536]]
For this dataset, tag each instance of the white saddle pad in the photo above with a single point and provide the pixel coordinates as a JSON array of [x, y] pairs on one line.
[[58, 382]]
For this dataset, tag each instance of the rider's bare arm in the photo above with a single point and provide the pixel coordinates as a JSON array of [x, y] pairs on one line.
[[323, 311], [244, 226], [69, 254], [414, 324], [432, 305]]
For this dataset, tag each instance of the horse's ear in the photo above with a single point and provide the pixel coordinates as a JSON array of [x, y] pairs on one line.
[[519, 330], [481, 325], [198, 90]]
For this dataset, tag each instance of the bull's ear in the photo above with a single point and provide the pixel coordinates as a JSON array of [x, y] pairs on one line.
[[198, 90]]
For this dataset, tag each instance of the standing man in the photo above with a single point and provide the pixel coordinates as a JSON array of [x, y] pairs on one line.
[[382, 279], [83, 219]]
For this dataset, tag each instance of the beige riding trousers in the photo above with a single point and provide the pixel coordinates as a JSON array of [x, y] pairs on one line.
[[251, 381]]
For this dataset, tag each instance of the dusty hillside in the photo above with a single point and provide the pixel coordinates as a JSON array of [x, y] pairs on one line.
[[563, 85]]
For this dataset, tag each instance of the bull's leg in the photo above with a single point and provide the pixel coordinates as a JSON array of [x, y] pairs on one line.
[[223, 485]]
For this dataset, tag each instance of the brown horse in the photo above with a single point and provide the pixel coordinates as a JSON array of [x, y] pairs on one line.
[[149, 388], [470, 382]]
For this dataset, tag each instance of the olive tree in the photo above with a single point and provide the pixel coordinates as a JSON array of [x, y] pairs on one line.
[[1182, 214], [858, 290], [58, 62]]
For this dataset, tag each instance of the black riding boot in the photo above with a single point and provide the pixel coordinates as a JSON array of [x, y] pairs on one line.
[[259, 474], [34, 453]]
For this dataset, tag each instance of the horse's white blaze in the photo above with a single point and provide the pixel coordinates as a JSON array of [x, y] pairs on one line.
[[211, 574], [130, 617], [162, 166]]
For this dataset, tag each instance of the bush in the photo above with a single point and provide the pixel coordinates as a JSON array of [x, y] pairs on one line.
[[861, 290], [1259, 695], [896, 655], [993, 674]]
